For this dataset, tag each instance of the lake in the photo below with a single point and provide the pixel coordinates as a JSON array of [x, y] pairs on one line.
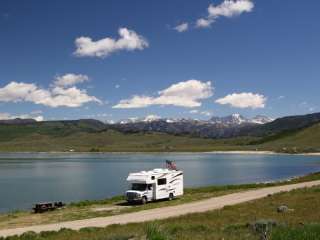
[[27, 178]]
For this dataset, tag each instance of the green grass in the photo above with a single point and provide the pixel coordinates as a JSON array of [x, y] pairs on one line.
[[305, 140], [20, 139], [305, 232]]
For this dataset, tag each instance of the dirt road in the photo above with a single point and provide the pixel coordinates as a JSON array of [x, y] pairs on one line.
[[162, 213]]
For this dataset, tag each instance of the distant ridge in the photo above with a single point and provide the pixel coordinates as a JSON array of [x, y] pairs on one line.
[[18, 121], [234, 125], [289, 134]]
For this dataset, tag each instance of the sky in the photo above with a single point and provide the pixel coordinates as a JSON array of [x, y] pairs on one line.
[[117, 59]]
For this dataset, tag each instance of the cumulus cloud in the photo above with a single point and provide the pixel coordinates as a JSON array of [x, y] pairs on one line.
[[182, 27], [243, 100], [55, 96], [204, 23], [129, 40], [196, 111], [228, 8], [183, 94], [8, 116], [70, 79]]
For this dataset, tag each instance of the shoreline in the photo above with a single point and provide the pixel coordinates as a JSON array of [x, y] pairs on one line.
[[268, 189], [280, 181], [245, 152]]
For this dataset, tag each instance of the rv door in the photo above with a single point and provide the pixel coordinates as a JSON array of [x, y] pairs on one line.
[[162, 189]]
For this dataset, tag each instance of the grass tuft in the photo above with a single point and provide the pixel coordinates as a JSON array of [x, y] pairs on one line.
[[155, 233], [307, 232]]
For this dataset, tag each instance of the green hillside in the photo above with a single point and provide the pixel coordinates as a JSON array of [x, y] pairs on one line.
[[109, 141], [94, 136], [305, 140]]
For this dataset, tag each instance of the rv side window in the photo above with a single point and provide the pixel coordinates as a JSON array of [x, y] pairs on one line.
[[162, 181]]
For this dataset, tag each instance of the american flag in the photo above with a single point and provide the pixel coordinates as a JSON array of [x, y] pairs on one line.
[[171, 165]]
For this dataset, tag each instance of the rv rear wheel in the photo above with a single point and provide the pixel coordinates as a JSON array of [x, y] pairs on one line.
[[143, 200], [170, 196]]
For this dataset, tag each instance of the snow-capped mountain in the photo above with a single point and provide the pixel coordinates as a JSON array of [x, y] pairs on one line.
[[237, 119], [216, 127], [231, 120], [234, 119], [261, 119], [149, 118]]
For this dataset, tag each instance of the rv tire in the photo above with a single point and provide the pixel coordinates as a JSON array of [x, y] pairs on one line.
[[171, 196], [143, 200]]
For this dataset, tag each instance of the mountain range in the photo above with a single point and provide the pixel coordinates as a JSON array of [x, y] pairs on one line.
[[233, 119], [216, 127], [156, 134]]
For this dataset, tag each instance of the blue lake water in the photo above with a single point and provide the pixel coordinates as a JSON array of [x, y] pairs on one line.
[[29, 177]]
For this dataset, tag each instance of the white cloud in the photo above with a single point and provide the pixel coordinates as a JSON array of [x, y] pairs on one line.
[[52, 97], [70, 79], [206, 113], [8, 116], [196, 111], [129, 40], [230, 8], [311, 109], [117, 86], [204, 23], [68, 97], [227, 8], [183, 94], [182, 27], [243, 100]]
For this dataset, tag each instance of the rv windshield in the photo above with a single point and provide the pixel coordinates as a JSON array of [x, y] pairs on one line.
[[139, 186]]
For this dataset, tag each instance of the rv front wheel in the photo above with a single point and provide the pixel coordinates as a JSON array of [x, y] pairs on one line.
[[143, 200], [170, 196]]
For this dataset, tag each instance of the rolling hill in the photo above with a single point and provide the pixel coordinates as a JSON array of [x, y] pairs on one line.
[[290, 134]]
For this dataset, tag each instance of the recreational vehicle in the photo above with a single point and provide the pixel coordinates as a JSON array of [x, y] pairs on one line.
[[153, 185]]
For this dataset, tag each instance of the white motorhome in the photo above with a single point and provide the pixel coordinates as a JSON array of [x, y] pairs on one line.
[[153, 185]]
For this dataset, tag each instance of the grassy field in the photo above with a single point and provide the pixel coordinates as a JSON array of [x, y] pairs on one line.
[[111, 141], [116, 205], [244, 221], [306, 140]]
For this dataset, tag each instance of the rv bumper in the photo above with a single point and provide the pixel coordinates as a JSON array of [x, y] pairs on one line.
[[133, 197]]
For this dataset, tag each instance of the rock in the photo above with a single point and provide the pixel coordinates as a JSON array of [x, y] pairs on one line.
[[283, 208]]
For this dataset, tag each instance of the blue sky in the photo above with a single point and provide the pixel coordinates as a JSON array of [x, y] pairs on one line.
[[252, 57]]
